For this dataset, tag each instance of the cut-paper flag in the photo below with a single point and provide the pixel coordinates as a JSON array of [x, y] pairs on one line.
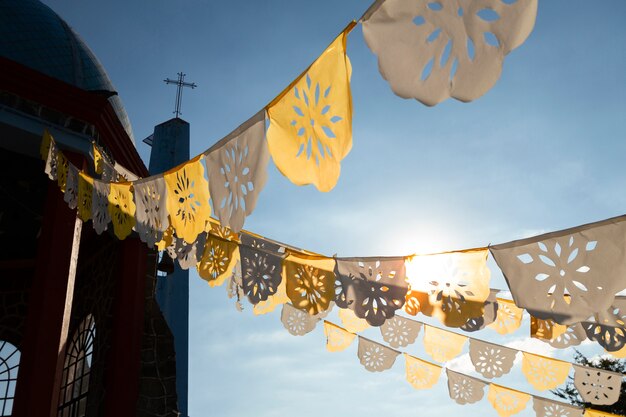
[[85, 196], [188, 199], [544, 373], [490, 360], [442, 345], [100, 206], [151, 217], [297, 322], [464, 389], [337, 338], [608, 328], [490, 312], [546, 408], [421, 374], [261, 267], [121, 209], [505, 401], [374, 356], [452, 287], [218, 260], [509, 317], [310, 129], [432, 50], [399, 331], [374, 288], [310, 281], [71, 187], [596, 386], [351, 322], [237, 171], [569, 275]]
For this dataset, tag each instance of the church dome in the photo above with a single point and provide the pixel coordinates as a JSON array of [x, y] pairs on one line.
[[35, 36]]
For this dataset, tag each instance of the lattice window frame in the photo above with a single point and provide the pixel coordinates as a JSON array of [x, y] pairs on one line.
[[77, 368], [9, 367]]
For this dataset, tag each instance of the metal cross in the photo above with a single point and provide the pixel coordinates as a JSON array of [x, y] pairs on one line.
[[180, 83]]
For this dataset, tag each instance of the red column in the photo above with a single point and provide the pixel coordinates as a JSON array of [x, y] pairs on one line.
[[43, 347], [123, 363]]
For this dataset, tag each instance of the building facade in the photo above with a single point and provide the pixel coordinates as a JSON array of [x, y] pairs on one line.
[[81, 332]]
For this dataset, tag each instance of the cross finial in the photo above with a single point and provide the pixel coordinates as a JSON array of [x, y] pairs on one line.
[[180, 83]]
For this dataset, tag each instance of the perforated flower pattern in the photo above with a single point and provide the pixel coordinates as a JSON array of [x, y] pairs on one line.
[[85, 196], [399, 331], [310, 288], [218, 260], [608, 328], [544, 373], [491, 360], [121, 209], [310, 129], [238, 172], [375, 357], [597, 386], [297, 322], [188, 199], [509, 317], [100, 206], [150, 198], [507, 401], [566, 276], [374, 288], [464, 389], [71, 187], [421, 374], [452, 287], [431, 50], [261, 267]]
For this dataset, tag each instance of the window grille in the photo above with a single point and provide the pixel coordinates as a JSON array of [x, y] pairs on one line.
[[9, 365], [76, 370]]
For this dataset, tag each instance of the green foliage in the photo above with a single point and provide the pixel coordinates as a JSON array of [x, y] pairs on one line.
[[570, 394]]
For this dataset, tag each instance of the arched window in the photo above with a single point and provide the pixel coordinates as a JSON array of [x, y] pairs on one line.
[[9, 365], [76, 370]]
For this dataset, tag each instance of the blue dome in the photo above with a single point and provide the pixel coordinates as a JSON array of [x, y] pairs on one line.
[[35, 36]]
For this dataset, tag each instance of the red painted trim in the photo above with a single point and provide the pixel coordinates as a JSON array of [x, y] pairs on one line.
[[91, 107], [124, 359], [37, 387]]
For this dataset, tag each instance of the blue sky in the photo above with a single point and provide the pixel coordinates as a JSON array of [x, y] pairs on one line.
[[543, 150]]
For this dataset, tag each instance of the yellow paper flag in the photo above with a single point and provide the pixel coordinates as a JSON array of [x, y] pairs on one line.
[[544, 373], [218, 260], [310, 282], [121, 209], [420, 373], [45, 144], [85, 195], [188, 199], [310, 128], [98, 159], [509, 317], [351, 322], [507, 401], [442, 345], [337, 338]]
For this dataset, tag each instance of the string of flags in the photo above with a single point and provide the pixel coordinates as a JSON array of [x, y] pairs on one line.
[[430, 51], [584, 266], [491, 360], [465, 389]]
